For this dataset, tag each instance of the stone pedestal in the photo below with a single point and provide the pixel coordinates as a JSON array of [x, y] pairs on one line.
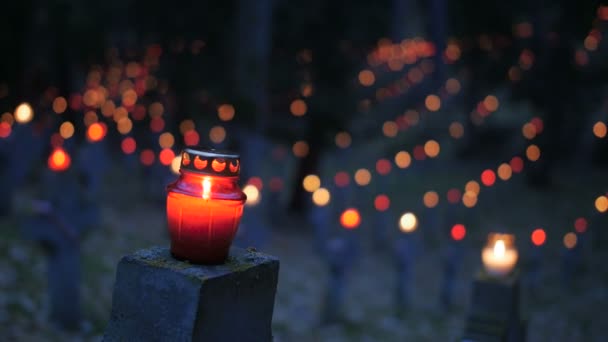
[[494, 312], [158, 298]]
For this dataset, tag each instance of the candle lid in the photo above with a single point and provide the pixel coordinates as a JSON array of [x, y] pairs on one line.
[[210, 162]]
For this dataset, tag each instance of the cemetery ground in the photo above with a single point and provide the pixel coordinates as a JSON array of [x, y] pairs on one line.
[[553, 313]]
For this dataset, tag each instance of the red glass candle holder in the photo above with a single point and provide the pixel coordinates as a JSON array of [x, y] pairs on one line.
[[204, 206]]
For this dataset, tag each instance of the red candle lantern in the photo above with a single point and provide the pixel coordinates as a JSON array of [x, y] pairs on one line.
[[204, 206]]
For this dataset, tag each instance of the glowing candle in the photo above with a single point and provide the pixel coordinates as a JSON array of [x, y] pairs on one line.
[[204, 206], [499, 256]]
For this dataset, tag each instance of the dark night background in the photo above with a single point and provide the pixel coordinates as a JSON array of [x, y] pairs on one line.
[[423, 96]]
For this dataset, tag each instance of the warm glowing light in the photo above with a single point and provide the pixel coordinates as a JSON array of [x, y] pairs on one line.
[[253, 195], [600, 129], [390, 129], [432, 148], [343, 139], [166, 140], [419, 153], [321, 197], [601, 204], [24, 113], [119, 114], [298, 107], [491, 103], [499, 256], [59, 160], [206, 188], [570, 240], [469, 199], [176, 164], [186, 126], [225, 112], [430, 199], [191, 138], [124, 126], [408, 222], [166, 156], [533, 153], [456, 130], [66, 130], [129, 97], [538, 237], [432, 103], [96, 132], [580, 225], [128, 145], [5, 129], [403, 159], [311, 183], [157, 124], [458, 232], [363, 177], [60, 104], [382, 202], [217, 134], [383, 167], [504, 171], [367, 78], [300, 149], [528, 131], [488, 177], [472, 186], [8, 118], [90, 117], [350, 218]]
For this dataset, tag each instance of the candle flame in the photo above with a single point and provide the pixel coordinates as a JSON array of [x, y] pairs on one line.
[[206, 188], [499, 248]]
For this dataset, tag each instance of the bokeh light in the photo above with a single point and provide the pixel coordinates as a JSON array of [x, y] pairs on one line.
[[580, 225], [601, 204], [538, 237], [128, 145], [533, 153], [432, 103], [363, 177], [408, 222], [60, 104], [321, 197], [488, 177], [253, 195], [298, 107], [367, 78], [517, 164], [472, 186], [342, 179], [382, 202], [66, 130], [343, 139], [146, 157], [390, 129], [166, 140], [456, 130], [570, 240], [311, 183], [350, 218], [96, 132], [383, 167], [599, 129], [458, 232], [217, 134], [504, 171], [166, 156], [225, 112], [300, 149], [453, 196], [24, 113], [430, 199], [432, 148], [469, 199], [59, 160], [403, 159], [191, 138]]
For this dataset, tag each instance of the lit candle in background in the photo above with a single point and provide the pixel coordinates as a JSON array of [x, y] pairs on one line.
[[204, 206], [499, 256]]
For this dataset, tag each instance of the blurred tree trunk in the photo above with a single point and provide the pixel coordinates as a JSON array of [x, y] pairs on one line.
[[438, 34]]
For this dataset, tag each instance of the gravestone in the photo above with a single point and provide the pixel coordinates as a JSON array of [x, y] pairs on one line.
[[452, 260], [405, 250], [339, 254], [159, 298]]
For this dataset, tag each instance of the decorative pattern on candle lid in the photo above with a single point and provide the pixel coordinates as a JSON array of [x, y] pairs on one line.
[[210, 162]]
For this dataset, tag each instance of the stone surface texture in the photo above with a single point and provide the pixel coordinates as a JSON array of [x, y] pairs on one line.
[[159, 298]]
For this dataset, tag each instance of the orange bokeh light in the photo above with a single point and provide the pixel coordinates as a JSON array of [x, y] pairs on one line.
[[166, 156], [350, 218], [59, 160], [367, 78], [96, 132], [430, 199], [298, 107], [432, 103], [600, 129], [533, 153]]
